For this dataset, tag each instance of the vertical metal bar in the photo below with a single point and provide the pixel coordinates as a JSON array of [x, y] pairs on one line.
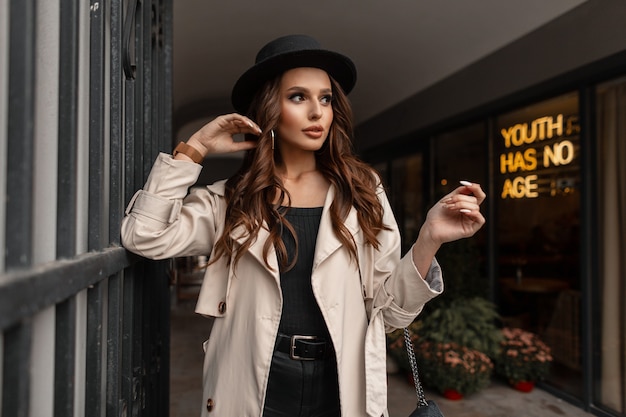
[[168, 75], [129, 385], [155, 339], [117, 402], [64, 358], [130, 360], [68, 128], [157, 88], [137, 117], [116, 194], [136, 342], [149, 341], [140, 348], [16, 370], [163, 324], [94, 369], [588, 241], [114, 405], [4, 75], [131, 182], [126, 371], [145, 72], [21, 108], [93, 376], [96, 126], [166, 60]]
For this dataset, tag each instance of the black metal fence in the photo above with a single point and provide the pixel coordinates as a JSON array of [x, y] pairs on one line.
[[108, 77]]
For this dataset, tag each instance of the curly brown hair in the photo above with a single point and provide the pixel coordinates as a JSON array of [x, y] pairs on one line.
[[251, 193]]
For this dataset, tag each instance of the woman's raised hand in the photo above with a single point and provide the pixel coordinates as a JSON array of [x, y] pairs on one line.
[[457, 215], [217, 135]]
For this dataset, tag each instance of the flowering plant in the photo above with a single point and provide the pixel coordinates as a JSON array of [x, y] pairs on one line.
[[444, 366], [523, 356]]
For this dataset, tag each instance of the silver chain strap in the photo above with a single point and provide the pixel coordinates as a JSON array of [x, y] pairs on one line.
[[421, 398]]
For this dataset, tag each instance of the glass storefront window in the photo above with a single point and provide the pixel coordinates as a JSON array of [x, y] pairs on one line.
[[460, 155], [611, 139], [535, 177], [407, 196], [537, 191]]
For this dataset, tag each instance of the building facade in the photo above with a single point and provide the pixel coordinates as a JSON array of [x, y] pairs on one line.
[[541, 124]]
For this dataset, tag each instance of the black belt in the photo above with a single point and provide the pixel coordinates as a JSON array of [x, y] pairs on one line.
[[304, 348]]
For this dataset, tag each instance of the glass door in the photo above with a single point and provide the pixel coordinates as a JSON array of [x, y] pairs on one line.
[[407, 196], [537, 192]]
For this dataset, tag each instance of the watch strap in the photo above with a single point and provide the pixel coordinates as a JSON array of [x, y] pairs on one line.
[[190, 151]]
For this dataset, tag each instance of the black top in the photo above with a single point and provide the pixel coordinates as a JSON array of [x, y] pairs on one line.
[[301, 315]]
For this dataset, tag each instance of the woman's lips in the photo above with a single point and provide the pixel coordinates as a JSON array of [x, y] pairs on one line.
[[314, 132]]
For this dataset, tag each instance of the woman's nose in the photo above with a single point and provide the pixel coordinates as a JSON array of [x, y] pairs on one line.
[[315, 111]]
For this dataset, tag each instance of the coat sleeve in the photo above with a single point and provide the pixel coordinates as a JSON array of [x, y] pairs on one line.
[[396, 286], [165, 220]]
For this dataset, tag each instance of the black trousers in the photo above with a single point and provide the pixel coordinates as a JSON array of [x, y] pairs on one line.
[[302, 388]]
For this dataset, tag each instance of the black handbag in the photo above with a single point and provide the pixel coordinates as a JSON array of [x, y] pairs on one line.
[[425, 408]]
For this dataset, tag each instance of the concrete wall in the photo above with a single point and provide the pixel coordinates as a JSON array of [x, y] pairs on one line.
[[566, 51]]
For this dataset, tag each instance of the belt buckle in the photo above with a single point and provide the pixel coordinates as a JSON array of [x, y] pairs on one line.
[[292, 350]]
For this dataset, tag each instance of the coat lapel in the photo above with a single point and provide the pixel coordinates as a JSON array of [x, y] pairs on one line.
[[327, 242], [256, 248]]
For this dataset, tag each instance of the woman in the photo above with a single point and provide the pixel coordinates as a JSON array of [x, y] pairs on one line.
[[305, 273]]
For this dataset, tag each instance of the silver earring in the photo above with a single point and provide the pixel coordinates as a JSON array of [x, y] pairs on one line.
[[273, 137]]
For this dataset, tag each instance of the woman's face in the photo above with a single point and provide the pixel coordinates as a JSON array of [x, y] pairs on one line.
[[306, 111]]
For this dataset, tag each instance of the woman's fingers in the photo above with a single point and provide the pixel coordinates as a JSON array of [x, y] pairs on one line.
[[459, 202], [457, 215], [236, 123], [217, 136], [473, 189], [466, 201], [467, 196]]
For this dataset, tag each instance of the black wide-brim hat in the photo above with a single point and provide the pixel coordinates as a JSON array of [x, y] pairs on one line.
[[285, 53]]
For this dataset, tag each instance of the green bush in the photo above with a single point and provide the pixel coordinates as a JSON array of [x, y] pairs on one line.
[[469, 322]]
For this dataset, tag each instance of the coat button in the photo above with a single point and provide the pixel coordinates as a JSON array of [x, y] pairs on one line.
[[221, 307], [209, 405]]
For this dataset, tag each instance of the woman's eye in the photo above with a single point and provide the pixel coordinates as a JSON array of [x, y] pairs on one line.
[[296, 97], [326, 99]]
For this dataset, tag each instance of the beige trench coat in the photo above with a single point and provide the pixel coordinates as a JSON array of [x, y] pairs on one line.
[[358, 304]]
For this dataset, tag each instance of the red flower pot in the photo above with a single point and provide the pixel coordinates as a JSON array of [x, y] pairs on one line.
[[452, 394], [524, 386]]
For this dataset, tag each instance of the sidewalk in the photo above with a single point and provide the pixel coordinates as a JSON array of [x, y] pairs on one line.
[[498, 400], [189, 330]]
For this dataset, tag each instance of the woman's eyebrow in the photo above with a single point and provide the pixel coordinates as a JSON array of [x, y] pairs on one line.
[[298, 88]]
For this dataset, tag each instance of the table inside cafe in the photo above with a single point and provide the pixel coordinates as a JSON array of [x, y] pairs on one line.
[[536, 294]]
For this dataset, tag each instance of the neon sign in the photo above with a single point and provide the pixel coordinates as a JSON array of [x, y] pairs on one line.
[[532, 150]]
